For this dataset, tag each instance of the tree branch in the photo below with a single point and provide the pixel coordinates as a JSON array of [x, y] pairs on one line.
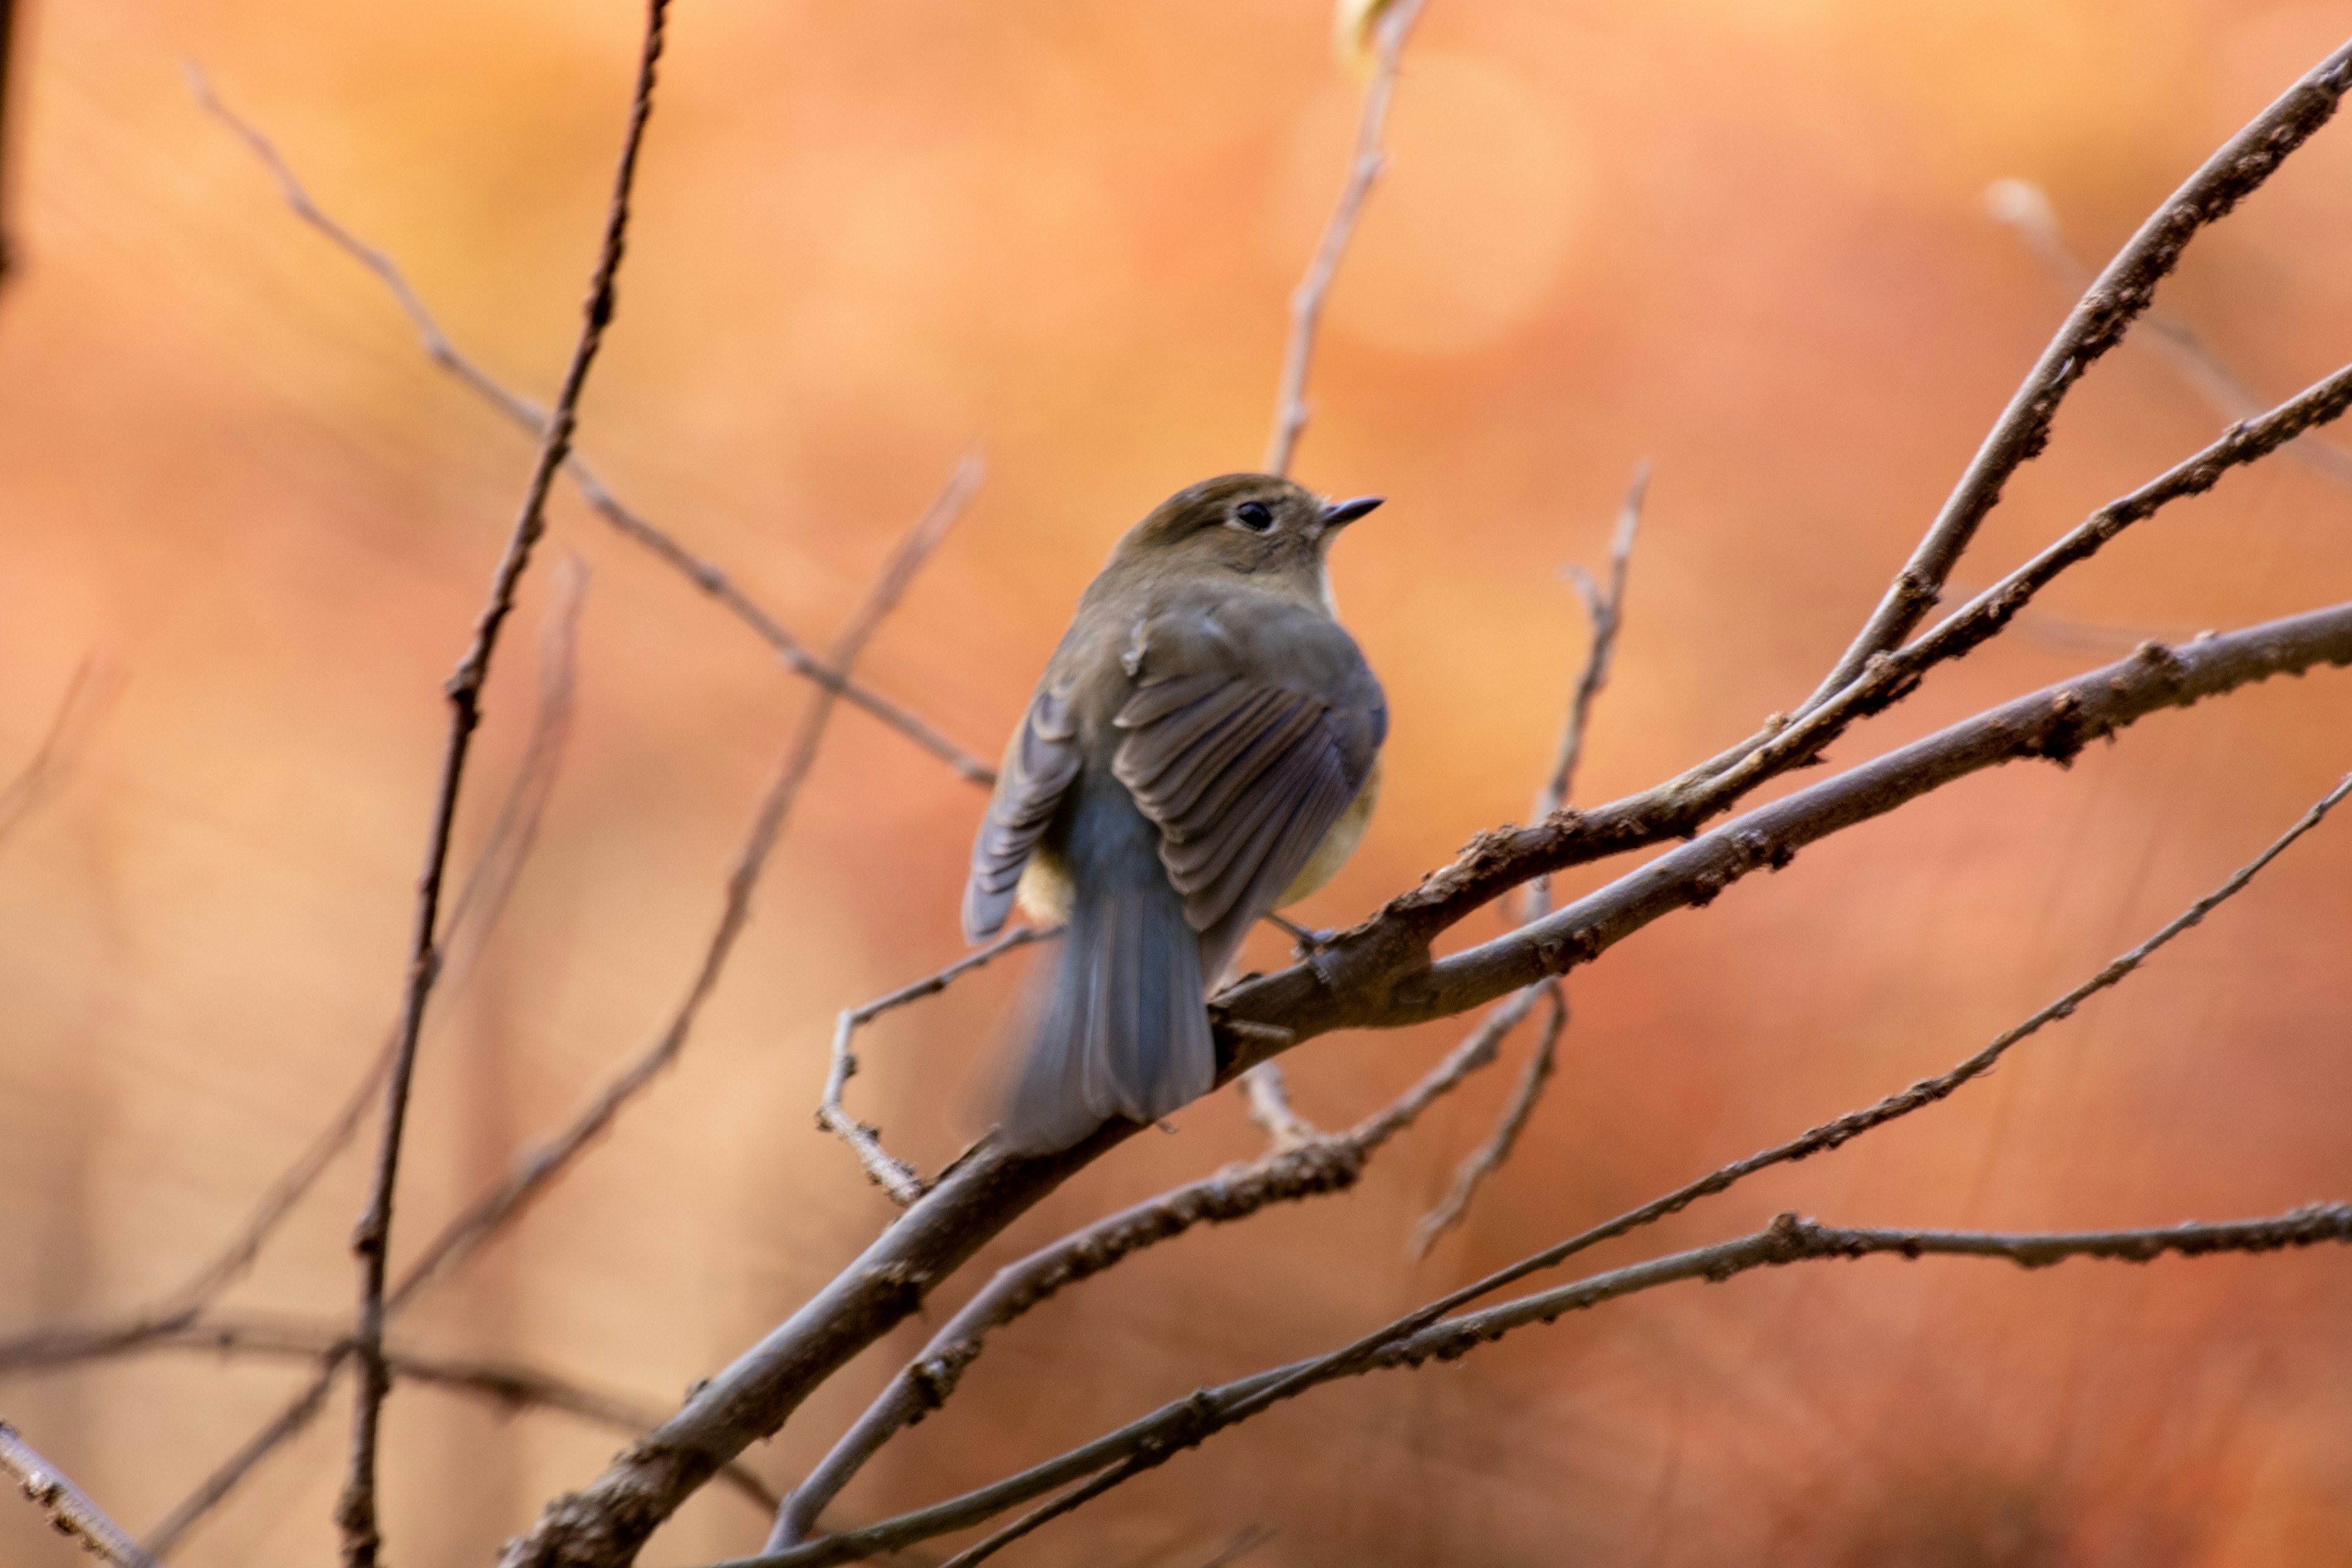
[[356, 1514], [976, 1199], [1390, 29], [70, 1512], [2106, 311], [2025, 207], [1310, 1166], [1148, 1443], [704, 574], [1395, 940]]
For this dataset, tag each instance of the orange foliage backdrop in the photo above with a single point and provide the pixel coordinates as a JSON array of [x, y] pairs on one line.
[[1744, 238]]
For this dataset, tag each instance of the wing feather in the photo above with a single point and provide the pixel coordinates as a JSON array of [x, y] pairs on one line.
[[1039, 764]]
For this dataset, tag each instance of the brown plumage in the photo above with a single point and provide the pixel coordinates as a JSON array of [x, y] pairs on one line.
[[1202, 747]]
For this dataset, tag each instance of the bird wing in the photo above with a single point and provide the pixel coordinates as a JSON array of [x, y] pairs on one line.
[[1039, 764], [1244, 761]]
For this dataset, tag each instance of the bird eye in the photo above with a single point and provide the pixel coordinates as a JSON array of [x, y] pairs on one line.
[[1253, 516]]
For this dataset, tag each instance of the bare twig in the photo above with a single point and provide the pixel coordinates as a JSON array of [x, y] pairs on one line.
[[511, 1385], [2106, 311], [704, 574], [1154, 1440], [1267, 1094], [1291, 409], [894, 1176], [1488, 1157], [472, 915], [2025, 207], [70, 1512], [1604, 610], [298, 1414], [86, 695], [356, 1514]]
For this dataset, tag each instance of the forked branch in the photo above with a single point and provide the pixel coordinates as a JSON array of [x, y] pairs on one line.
[[356, 1515], [702, 572]]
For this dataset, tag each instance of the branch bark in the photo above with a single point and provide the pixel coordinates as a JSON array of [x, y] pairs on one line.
[[2098, 322], [70, 1510], [1156, 1438], [356, 1514]]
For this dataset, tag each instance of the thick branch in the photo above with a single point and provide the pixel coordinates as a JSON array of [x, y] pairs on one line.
[[1396, 939], [2119, 294], [1305, 1165], [2053, 725], [976, 1199]]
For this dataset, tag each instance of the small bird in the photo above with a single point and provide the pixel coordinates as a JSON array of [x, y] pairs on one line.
[[1204, 747]]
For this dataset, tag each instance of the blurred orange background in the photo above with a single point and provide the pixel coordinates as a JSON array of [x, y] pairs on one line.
[[1745, 237]]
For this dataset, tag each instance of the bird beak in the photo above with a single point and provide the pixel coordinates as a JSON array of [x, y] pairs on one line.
[[1341, 513]]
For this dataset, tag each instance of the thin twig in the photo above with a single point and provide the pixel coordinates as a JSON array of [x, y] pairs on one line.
[[1488, 1157], [1267, 1094], [901, 1181], [1290, 410], [2025, 207], [511, 1385], [704, 574], [298, 1414], [1154, 1439], [2106, 311], [70, 1512], [356, 1514], [1604, 610], [86, 697]]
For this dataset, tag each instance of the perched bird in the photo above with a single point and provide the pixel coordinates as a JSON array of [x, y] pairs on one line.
[[1204, 747]]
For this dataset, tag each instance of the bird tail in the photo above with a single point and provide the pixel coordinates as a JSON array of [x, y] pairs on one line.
[[1121, 1030]]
